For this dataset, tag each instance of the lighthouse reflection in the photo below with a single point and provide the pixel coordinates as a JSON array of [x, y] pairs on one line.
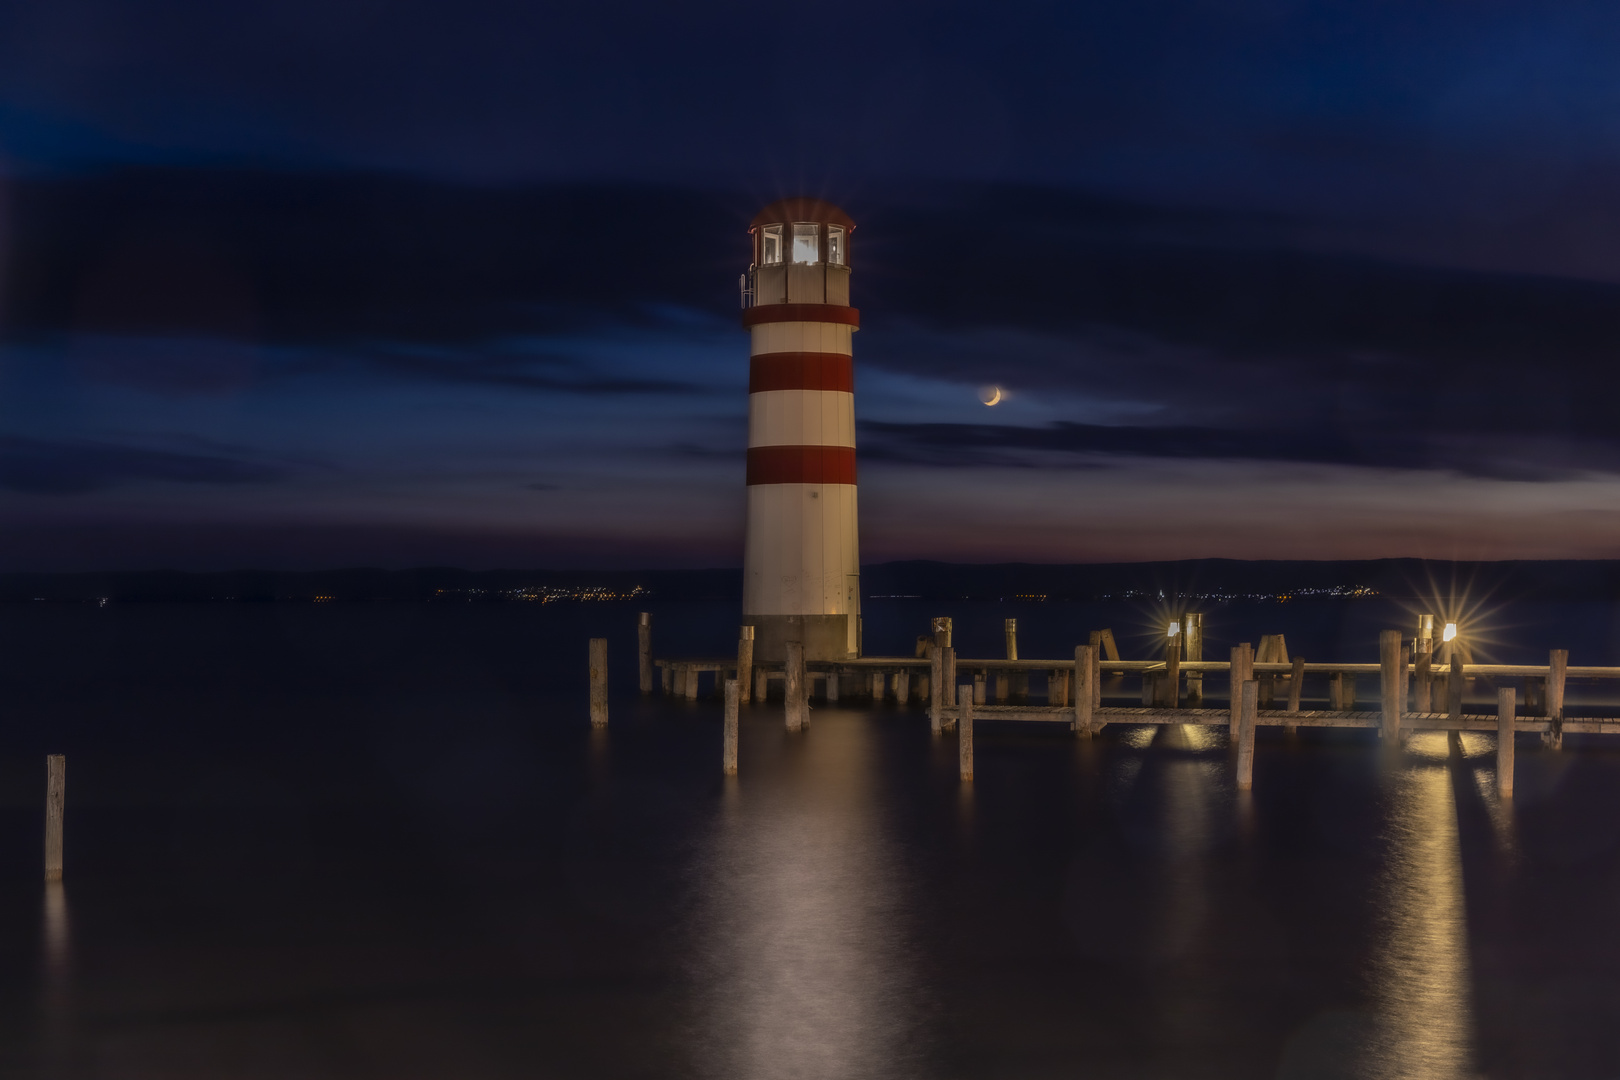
[[1420, 967], [802, 964]]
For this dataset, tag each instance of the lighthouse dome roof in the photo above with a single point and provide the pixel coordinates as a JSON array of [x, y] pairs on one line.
[[802, 209]]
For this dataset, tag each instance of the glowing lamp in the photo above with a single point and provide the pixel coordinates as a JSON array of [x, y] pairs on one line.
[[1450, 632], [1175, 628]]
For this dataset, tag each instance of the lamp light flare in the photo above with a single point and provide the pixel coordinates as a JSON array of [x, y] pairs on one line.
[[1175, 629], [1450, 632]]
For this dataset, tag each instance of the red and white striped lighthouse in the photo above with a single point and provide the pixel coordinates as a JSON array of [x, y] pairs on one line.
[[801, 559]]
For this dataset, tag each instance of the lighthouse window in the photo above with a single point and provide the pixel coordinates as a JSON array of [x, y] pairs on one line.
[[835, 245], [806, 242], [770, 253]]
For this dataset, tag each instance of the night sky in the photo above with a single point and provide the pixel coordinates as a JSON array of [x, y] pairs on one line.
[[361, 283]]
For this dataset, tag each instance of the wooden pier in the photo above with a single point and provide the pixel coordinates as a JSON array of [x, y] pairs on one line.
[[1412, 676]]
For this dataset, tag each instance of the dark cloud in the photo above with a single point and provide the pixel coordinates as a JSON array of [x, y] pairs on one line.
[[43, 467], [1074, 445]]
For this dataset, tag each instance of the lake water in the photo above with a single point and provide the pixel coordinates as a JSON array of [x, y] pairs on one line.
[[381, 841]]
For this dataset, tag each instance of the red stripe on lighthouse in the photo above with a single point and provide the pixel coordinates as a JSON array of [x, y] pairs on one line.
[[829, 313], [801, 371], [801, 465]]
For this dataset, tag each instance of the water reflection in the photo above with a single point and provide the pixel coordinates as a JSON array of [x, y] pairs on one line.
[[800, 952], [1420, 966], [55, 984]]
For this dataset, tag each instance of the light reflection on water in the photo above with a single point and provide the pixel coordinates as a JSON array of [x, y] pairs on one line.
[[1420, 971], [804, 966]]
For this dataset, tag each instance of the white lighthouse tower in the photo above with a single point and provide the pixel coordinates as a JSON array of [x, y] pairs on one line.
[[801, 560]]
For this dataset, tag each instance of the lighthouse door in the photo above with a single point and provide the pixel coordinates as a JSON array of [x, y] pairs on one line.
[[852, 609]]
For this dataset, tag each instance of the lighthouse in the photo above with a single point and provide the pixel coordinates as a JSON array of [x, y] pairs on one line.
[[801, 559]]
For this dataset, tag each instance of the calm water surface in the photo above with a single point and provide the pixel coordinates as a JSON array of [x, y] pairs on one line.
[[380, 841]]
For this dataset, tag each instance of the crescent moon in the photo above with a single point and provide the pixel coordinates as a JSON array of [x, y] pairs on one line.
[[996, 399]]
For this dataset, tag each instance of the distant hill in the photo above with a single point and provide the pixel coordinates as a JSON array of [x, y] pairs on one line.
[[1216, 579]]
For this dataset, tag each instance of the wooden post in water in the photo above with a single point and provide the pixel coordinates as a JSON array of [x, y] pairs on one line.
[[1172, 676], [1235, 705], [949, 676], [834, 685], [668, 680], [793, 704], [1057, 688], [1557, 671], [745, 662], [902, 687], [936, 681], [942, 632], [728, 753], [980, 677], [644, 666], [1270, 652], [55, 803], [1504, 741], [1085, 671], [1192, 650], [761, 685], [1389, 659], [1248, 713], [964, 730], [599, 697], [1423, 663], [1454, 686], [1296, 684], [691, 681]]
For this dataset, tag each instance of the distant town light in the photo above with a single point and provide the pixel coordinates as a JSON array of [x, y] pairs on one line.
[[1450, 632]]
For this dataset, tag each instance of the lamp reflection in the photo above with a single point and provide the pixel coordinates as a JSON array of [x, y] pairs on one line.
[[800, 958], [1420, 968], [56, 941]]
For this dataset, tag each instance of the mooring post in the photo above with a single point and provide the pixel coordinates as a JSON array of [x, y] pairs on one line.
[[1267, 654], [1242, 670], [1389, 659], [1085, 670], [902, 687], [1423, 663], [1248, 713], [1172, 676], [691, 682], [980, 677], [1296, 686], [761, 685], [1557, 671], [728, 753], [599, 700], [55, 796], [1192, 650], [964, 730], [644, 666], [1504, 742], [949, 659], [942, 632], [745, 662], [667, 679], [1454, 686], [793, 701], [1336, 691], [1057, 688], [1096, 678], [936, 680]]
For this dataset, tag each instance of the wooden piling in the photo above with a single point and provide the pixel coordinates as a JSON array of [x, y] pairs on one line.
[[691, 681], [1057, 688], [667, 677], [1557, 671], [1085, 670], [1172, 676], [644, 664], [55, 803], [1389, 659], [936, 680], [942, 631], [902, 687], [880, 686], [1454, 686], [1248, 713], [1192, 650], [1423, 680], [1296, 684], [1017, 682], [949, 676], [793, 704], [599, 693], [728, 753], [761, 686], [1504, 741], [745, 662], [979, 680], [964, 730], [833, 685], [1242, 670]]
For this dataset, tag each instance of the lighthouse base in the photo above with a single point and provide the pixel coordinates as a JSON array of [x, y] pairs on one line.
[[825, 637]]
